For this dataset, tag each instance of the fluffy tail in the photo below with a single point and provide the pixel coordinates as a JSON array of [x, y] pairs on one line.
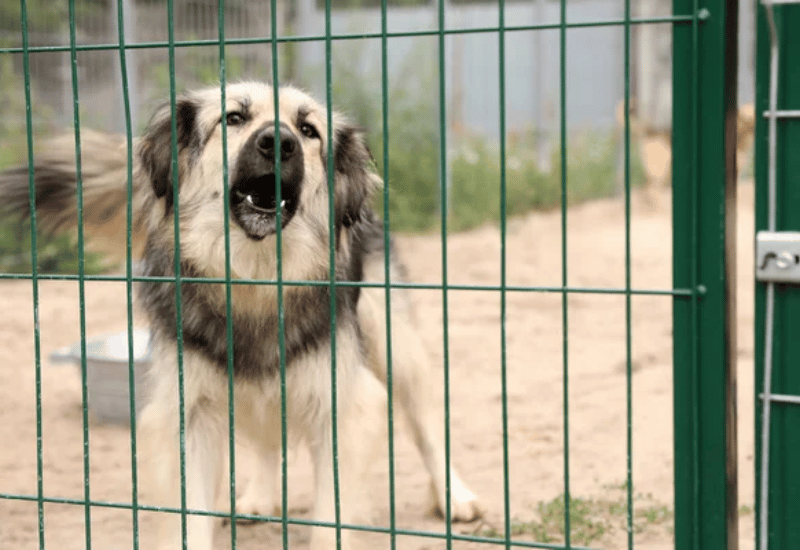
[[104, 176]]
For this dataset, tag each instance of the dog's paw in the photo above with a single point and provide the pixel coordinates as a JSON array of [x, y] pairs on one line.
[[467, 510], [464, 505], [250, 504]]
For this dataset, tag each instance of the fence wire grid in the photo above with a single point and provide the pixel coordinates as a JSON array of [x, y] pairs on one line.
[[701, 33]]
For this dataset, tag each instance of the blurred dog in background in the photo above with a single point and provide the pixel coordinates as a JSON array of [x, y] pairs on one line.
[[654, 145]]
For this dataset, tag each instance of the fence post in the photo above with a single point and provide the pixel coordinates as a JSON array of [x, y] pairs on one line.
[[704, 200]]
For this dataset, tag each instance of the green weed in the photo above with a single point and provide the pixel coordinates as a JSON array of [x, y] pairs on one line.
[[590, 520]]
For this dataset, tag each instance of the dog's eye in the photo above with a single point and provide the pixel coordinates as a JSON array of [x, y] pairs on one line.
[[309, 130], [235, 119]]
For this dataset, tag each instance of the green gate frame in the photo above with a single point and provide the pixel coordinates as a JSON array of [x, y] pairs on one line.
[[783, 493], [704, 231]]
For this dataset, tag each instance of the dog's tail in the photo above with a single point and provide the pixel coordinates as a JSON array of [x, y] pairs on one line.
[[103, 175]]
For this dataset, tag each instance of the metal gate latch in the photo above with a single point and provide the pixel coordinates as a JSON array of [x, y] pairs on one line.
[[778, 256]]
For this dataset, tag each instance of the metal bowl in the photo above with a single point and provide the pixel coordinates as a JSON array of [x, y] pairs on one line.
[[107, 373]]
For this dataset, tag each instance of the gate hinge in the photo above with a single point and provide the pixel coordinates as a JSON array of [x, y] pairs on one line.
[[778, 256]]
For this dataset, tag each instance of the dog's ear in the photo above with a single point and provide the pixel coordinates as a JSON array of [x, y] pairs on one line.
[[356, 180], [155, 149]]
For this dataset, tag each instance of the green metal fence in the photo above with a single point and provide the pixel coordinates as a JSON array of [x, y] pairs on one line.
[[703, 134]]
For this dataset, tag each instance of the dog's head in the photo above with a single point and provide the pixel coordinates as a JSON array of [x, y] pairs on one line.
[[277, 169]]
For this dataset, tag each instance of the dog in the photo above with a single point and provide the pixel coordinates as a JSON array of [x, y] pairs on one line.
[[655, 146], [254, 217]]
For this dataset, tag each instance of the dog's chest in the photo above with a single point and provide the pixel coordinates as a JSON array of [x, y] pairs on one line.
[[256, 334]]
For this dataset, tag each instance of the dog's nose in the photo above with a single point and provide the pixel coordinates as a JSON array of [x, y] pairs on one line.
[[266, 142]]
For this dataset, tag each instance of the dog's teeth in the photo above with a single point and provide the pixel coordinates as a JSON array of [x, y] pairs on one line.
[[283, 204], [249, 198]]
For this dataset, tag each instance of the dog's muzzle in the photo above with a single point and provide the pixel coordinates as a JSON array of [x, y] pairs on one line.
[[254, 188]]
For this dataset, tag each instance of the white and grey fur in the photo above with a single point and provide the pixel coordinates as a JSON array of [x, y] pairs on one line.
[[253, 215]]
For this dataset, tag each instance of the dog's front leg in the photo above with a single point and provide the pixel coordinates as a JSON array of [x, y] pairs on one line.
[[414, 392], [360, 422], [261, 490], [160, 431]]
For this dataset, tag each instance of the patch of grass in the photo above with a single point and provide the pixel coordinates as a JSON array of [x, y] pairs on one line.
[[651, 515], [587, 523], [590, 520], [476, 175], [586, 519]]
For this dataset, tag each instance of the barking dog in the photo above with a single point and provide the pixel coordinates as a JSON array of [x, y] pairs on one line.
[[255, 141]]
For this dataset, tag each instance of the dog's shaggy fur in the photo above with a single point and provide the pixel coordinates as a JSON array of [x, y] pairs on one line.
[[254, 216]]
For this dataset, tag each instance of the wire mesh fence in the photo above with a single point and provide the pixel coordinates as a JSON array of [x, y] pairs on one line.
[[537, 321]]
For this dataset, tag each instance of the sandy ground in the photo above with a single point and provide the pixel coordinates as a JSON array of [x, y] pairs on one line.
[[535, 372]]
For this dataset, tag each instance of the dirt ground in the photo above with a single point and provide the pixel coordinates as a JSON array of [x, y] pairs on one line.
[[534, 356]]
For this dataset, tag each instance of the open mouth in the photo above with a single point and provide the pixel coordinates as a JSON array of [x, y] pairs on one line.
[[255, 207], [259, 194], [252, 202]]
